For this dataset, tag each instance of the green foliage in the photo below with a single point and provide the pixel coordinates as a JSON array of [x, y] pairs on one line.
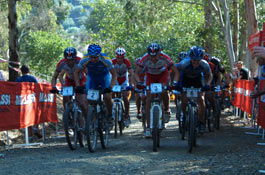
[[134, 24], [43, 51], [69, 22]]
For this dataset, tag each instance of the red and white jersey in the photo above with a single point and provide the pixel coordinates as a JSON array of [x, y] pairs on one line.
[[163, 64], [69, 71], [122, 70]]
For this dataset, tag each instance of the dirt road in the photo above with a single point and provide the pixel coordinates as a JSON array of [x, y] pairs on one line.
[[227, 151]]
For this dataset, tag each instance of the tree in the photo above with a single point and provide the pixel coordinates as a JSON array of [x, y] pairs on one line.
[[13, 39]]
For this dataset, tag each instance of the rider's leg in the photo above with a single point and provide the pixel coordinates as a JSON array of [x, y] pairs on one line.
[[108, 102], [126, 101], [82, 102], [201, 107], [138, 103]]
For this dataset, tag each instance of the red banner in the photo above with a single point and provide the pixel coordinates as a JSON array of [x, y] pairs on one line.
[[26, 104], [247, 101], [238, 90], [261, 113], [254, 40]]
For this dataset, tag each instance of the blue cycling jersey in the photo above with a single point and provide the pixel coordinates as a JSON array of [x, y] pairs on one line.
[[27, 78], [98, 73]]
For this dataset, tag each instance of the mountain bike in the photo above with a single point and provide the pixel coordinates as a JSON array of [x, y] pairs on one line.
[[192, 116], [97, 122], [118, 109], [74, 122], [141, 93]]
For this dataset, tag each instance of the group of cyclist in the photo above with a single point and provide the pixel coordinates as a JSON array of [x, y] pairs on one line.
[[194, 69]]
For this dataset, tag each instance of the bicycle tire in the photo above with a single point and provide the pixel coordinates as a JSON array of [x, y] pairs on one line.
[[69, 124], [91, 129], [217, 115], [103, 131], [116, 119], [144, 123], [80, 123], [178, 117], [155, 129], [208, 118], [191, 131]]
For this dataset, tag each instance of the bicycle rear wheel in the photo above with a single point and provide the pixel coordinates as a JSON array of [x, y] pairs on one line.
[[191, 131], [155, 129], [91, 129], [70, 128]]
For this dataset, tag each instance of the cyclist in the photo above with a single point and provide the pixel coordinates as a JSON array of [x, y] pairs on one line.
[[193, 70], [123, 66], [157, 64], [100, 72], [67, 65], [139, 98]]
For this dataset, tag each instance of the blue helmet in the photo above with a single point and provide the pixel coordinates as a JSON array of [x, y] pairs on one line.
[[182, 56], [196, 53], [94, 50]]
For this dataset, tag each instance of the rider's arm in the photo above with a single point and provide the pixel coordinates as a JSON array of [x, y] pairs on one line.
[[54, 78], [131, 76], [137, 73], [113, 77], [61, 77], [76, 76], [208, 78], [175, 72]]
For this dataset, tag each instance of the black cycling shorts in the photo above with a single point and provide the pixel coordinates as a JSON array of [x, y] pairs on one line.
[[194, 82]]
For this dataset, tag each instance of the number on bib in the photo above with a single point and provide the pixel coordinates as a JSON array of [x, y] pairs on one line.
[[192, 93], [92, 94], [116, 88], [68, 91], [156, 88]]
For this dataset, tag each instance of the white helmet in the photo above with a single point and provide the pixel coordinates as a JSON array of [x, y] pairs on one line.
[[120, 52]]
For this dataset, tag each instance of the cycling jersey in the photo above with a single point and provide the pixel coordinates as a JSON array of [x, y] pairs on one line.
[[163, 64], [122, 70], [142, 74], [98, 73], [193, 76], [69, 71]]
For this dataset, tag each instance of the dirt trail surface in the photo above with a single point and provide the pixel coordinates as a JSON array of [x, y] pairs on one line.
[[227, 151]]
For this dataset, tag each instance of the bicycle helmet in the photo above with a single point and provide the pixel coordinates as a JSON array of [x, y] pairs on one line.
[[153, 49], [216, 61], [182, 56], [94, 50], [70, 53], [120, 52], [196, 53]]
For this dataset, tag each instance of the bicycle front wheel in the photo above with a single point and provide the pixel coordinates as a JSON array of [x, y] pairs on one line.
[[91, 129], [103, 130], [70, 128], [191, 131], [155, 129], [217, 114]]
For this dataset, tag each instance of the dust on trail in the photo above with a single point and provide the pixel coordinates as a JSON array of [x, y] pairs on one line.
[[227, 151]]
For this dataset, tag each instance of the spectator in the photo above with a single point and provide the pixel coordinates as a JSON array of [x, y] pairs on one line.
[[260, 53], [243, 72], [2, 78], [26, 77]]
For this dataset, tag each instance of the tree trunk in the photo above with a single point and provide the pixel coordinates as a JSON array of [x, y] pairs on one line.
[[13, 40], [252, 27], [208, 27], [235, 27], [243, 36]]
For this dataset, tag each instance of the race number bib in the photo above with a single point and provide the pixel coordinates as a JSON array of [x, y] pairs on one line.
[[68, 91], [156, 88], [116, 88], [191, 93], [92, 95]]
